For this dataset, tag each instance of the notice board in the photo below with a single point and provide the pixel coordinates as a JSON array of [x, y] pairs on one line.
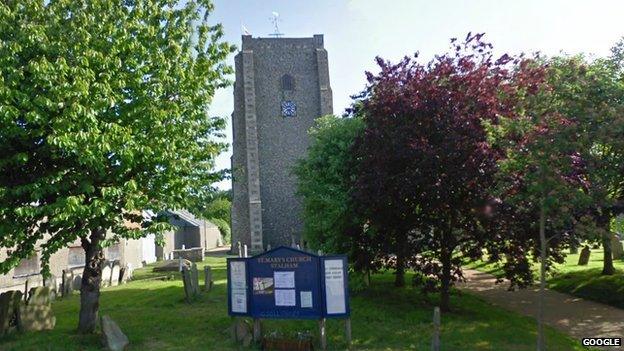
[[287, 283]]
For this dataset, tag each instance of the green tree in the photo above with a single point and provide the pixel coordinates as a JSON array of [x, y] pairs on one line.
[[218, 211], [591, 95], [325, 178], [541, 176], [103, 107]]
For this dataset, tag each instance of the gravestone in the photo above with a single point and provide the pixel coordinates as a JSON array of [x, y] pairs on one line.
[[207, 278], [112, 336], [122, 275], [115, 272], [51, 283], [584, 257], [35, 318], [171, 266], [37, 314], [106, 274], [27, 286], [9, 305], [67, 284], [39, 296], [195, 278], [616, 248], [189, 287], [129, 271], [77, 283]]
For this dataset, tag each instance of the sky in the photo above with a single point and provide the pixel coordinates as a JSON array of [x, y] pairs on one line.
[[356, 31]]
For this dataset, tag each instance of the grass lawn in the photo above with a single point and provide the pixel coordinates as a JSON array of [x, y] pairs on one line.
[[582, 281], [155, 317]]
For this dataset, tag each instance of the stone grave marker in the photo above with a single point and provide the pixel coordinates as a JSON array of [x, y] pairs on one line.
[[188, 285], [35, 318], [76, 284], [27, 286], [207, 278], [122, 275], [39, 296], [51, 283], [37, 314], [115, 272], [67, 284], [584, 257], [195, 279], [106, 274], [171, 266], [112, 336], [616, 247], [9, 305]]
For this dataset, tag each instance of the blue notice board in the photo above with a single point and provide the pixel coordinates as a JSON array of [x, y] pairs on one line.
[[287, 283]]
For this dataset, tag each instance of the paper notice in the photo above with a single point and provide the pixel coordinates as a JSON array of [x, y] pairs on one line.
[[239, 302], [238, 283], [285, 297], [334, 287], [284, 279], [306, 299], [237, 275]]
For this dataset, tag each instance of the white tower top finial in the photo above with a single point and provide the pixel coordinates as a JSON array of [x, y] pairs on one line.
[[275, 20]]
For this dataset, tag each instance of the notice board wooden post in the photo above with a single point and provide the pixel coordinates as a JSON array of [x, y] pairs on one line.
[[257, 330], [322, 334], [288, 283]]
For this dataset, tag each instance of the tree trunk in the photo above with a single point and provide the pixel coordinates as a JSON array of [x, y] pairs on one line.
[[445, 293], [91, 280], [399, 279], [607, 262], [540, 304]]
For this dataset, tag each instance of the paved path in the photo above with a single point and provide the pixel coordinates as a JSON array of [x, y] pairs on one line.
[[577, 317]]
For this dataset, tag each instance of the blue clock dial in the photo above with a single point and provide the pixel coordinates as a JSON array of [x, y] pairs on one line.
[[289, 109]]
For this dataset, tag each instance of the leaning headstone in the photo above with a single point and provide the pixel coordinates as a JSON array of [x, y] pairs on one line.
[[39, 296], [122, 275], [67, 283], [616, 248], [9, 304], [195, 279], [129, 271], [240, 249], [188, 285], [27, 285], [584, 257], [77, 282], [115, 271], [112, 336], [106, 274], [33, 317], [51, 283]]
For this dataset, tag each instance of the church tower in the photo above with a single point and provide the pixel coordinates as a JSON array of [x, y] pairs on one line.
[[281, 87]]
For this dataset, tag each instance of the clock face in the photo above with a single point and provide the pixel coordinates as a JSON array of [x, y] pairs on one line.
[[289, 109]]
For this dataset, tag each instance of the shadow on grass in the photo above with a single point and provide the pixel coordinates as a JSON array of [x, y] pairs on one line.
[[155, 317], [592, 285]]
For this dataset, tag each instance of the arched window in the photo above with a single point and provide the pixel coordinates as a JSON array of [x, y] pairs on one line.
[[288, 82]]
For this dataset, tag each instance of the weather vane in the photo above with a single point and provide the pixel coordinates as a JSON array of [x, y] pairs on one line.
[[275, 20]]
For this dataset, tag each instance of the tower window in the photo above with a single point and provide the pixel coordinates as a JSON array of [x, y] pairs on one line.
[[288, 82]]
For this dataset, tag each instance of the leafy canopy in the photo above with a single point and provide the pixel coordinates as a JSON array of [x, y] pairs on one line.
[[103, 107], [325, 179]]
